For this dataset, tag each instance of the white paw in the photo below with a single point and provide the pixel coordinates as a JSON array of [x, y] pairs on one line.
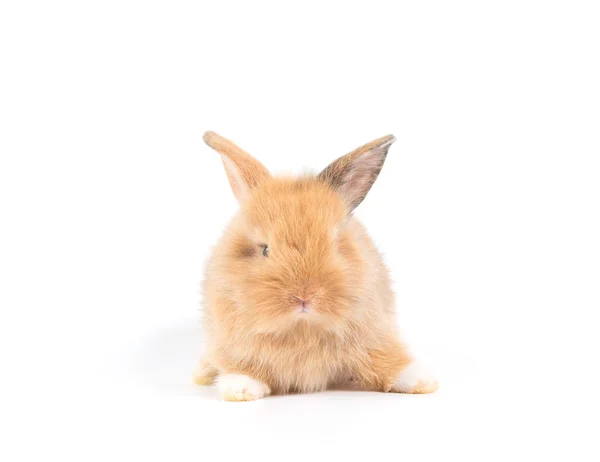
[[414, 378], [237, 387]]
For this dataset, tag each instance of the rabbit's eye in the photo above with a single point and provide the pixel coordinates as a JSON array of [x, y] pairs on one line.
[[265, 250]]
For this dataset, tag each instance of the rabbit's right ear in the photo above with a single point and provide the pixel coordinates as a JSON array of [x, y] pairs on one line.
[[243, 171]]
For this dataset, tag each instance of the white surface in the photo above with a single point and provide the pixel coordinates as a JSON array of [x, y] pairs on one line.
[[487, 211]]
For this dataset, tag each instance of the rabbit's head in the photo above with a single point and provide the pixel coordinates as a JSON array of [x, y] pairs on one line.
[[291, 255]]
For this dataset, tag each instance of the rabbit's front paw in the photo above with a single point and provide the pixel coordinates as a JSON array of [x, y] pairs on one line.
[[414, 378], [237, 387]]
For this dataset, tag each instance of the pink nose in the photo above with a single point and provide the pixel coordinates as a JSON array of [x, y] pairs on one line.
[[303, 300]]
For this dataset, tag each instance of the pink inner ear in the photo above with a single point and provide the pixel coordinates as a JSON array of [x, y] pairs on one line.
[[237, 183], [362, 175]]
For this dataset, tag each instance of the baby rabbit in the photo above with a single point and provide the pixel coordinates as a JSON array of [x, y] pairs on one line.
[[297, 298]]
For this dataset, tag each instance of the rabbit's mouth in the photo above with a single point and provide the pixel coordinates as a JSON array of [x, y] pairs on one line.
[[304, 309]]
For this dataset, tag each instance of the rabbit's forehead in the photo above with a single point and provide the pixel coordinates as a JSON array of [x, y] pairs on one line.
[[309, 232], [296, 209]]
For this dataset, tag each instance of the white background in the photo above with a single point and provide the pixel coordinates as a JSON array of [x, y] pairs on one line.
[[487, 211]]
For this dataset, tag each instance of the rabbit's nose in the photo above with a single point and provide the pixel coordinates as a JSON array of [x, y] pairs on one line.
[[303, 302]]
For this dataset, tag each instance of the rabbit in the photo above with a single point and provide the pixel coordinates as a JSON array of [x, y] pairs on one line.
[[297, 298]]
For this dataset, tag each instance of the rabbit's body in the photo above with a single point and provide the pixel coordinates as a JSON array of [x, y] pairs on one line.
[[297, 298]]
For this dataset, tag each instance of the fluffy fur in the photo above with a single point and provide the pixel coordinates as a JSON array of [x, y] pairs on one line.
[[297, 298]]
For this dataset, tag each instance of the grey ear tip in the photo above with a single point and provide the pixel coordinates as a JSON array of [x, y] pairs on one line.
[[388, 141]]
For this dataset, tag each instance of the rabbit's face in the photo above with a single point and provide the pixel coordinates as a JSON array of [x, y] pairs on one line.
[[294, 261]]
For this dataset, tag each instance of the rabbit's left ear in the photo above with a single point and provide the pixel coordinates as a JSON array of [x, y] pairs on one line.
[[353, 174], [243, 171]]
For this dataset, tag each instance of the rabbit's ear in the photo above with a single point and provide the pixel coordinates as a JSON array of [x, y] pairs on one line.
[[243, 171], [353, 174]]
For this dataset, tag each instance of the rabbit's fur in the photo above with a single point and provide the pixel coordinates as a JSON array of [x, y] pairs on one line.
[[297, 297]]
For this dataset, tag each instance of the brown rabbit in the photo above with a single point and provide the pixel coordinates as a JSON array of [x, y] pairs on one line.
[[297, 298]]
